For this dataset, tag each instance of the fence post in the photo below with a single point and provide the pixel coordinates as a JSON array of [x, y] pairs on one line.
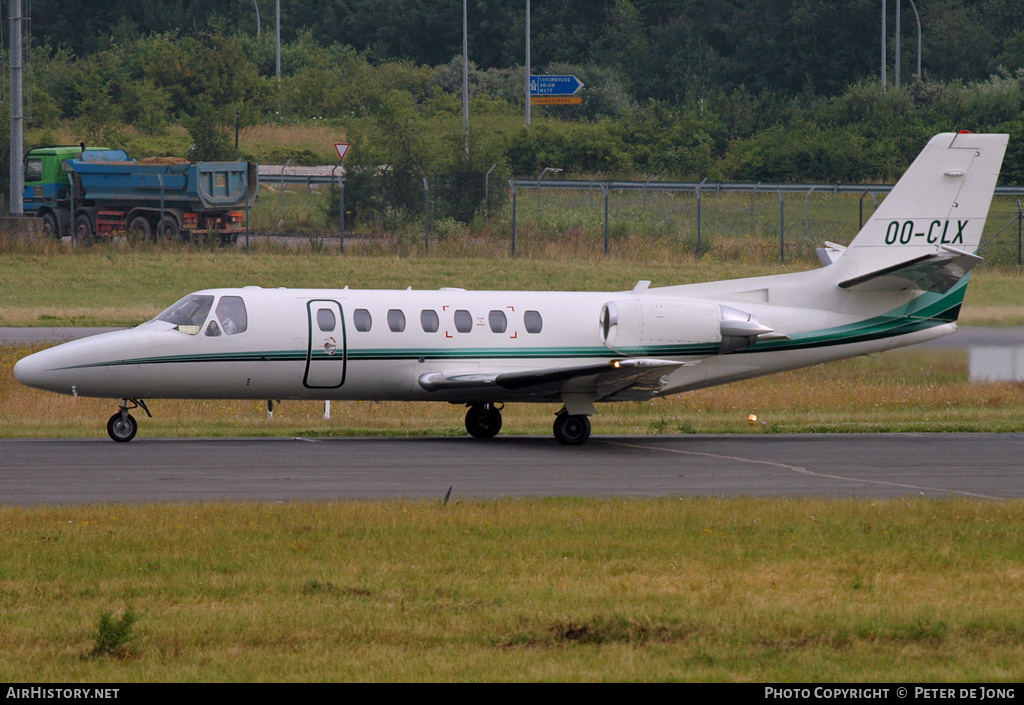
[[426, 215], [805, 212], [245, 182], [341, 205], [604, 187], [515, 205], [782, 228], [699, 252], [434, 205], [1020, 221], [754, 191], [280, 223], [487, 193]]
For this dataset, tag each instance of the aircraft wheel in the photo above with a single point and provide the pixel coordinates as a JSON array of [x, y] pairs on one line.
[[121, 429], [483, 421], [572, 430]]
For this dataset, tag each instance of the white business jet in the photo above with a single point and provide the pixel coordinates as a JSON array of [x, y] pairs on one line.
[[901, 281]]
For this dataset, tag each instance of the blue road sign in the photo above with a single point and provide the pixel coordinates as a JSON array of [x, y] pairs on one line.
[[554, 85]]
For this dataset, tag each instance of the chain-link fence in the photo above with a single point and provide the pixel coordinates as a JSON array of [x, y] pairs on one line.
[[767, 222], [462, 212]]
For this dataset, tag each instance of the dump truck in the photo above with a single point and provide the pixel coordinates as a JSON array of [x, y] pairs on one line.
[[90, 192]]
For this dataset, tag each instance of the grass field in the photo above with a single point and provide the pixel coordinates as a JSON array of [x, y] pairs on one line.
[[121, 284], [520, 590]]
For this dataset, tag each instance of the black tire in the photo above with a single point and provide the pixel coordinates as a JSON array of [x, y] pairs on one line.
[[483, 421], [121, 429], [141, 227], [571, 430], [83, 234], [51, 228], [169, 228]]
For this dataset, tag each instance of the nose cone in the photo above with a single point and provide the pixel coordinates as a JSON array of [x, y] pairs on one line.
[[24, 370], [55, 369], [37, 371], [97, 366]]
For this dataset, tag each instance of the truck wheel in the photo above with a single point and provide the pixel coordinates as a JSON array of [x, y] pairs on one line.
[[83, 230], [50, 226], [140, 228], [168, 228]]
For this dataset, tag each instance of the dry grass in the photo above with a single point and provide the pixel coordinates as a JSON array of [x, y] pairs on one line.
[[318, 140], [519, 590]]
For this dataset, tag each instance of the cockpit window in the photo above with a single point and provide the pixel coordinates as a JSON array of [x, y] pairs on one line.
[[189, 313], [231, 312]]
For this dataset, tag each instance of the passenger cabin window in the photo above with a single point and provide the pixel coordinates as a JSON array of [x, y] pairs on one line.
[[429, 320], [463, 321], [533, 321], [396, 320], [188, 314], [326, 320], [497, 321], [232, 315], [362, 320]]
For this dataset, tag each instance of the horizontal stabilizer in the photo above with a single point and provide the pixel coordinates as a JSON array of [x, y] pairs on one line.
[[936, 272]]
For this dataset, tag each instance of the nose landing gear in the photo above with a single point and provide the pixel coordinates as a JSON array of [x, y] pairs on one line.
[[122, 426]]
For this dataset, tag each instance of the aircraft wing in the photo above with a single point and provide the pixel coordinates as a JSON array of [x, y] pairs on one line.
[[937, 271], [632, 376]]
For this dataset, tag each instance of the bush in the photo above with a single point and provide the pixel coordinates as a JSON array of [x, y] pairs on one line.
[[114, 635]]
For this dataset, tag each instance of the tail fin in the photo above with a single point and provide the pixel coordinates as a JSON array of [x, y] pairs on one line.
[[925, 233]]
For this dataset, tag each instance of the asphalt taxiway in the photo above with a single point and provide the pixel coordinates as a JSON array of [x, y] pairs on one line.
[[68, 471]]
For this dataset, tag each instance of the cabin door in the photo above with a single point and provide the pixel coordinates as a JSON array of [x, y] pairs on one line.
[[327, 350]]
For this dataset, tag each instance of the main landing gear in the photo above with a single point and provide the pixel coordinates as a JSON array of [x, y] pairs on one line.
[[571, 429], [484, 421], [122, 426]]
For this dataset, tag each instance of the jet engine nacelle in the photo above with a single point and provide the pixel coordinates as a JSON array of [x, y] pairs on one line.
[[650, 322]]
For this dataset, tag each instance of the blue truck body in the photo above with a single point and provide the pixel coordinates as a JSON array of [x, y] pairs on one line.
[[100, 192]]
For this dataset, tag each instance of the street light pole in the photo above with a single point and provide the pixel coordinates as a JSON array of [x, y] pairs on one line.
[[465, 78], [277, 9], [527, 62], [899, 4], [918, 18], [17, 114], [883, 45]]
